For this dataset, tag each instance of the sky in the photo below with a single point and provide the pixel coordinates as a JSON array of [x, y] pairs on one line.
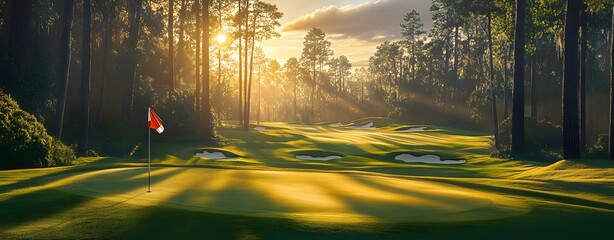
[[354, 27]]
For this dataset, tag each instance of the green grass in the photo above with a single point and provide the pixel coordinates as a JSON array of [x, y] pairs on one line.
[[267, 193]]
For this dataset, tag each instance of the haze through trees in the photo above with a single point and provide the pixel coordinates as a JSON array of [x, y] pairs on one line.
[[455, 73]]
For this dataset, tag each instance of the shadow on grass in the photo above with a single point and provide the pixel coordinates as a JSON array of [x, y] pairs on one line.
[[534, 193], [103, 163], [35, 206]]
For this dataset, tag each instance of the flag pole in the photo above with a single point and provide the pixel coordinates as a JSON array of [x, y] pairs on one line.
[[148, 154]]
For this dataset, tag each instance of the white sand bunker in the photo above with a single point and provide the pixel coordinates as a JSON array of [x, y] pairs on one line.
[[413, 129], [309, 157], [366, 126], [337, 124], [430, 159], [212, 155], [260, 128]]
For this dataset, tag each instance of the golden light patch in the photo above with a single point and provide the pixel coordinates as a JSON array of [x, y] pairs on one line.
[[310, 196]]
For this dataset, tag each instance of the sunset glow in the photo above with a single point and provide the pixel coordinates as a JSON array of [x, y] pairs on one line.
[[307, 119]]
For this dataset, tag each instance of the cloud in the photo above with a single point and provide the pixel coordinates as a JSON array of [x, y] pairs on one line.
[[376, 20]]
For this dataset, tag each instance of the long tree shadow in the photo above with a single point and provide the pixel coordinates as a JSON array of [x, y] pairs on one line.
[[103, 163], [532, 193], [36, 205], [188, 224], [50, 209]]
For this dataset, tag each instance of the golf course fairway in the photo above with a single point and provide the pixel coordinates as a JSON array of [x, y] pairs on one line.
[[314, 196], [263, 191]]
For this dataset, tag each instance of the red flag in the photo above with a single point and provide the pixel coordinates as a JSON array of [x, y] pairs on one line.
[[154, 121]]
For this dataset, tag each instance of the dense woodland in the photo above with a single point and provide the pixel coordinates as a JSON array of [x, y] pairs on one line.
[[88, 71]]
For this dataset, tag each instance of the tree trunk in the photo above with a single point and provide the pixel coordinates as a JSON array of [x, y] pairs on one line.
[[218, 100], [362, 90], [518, 145], [505, 86], [447, 56], [295, 92], [534, 85], [133, 40], [85, 73], [198, 63], [182, 18], [313, 95], [181, 44], [240, 70], [455, 70], [105, 58], [19, 32], [611, 142], [339, 88], [493, 99], [571, 138], [259, 94], [245, 64], [64, 67], [219, 96], [171, 47], [251, 72], [583, 71], [413, 62], [206, 99]]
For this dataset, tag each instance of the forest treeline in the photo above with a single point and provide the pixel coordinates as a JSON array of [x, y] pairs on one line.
[[483, 62], [88, 70]]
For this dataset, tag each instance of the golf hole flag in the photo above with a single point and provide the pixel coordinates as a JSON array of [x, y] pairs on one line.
[[154, 121]]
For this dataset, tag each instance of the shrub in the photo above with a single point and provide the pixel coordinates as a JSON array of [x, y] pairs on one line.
[[24, 142], [178, 113], [181, 120], [116, 139], [543, 140], [600, 149]]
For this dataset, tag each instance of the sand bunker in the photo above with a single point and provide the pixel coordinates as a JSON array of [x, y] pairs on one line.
[[337, 124], [212, 155], [312, 196], [260, 128], [309, 157], [366, 126], [430, 159], [413, 129]]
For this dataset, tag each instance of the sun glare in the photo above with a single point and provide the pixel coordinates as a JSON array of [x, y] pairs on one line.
[[221, 38]]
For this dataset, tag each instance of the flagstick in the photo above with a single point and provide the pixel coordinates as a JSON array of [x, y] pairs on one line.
[[148, 158]]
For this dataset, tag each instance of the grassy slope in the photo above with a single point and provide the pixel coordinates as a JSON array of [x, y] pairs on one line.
[[567, 199]]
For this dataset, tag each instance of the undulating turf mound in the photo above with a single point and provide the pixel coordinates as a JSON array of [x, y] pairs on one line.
[[580, 171], [377, 121], [310, 196]]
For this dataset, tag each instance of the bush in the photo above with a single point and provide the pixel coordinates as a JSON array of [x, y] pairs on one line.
[[181, 120], [24, 142], [178, 113], [543, 140], [600, 149], [117, 139]]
